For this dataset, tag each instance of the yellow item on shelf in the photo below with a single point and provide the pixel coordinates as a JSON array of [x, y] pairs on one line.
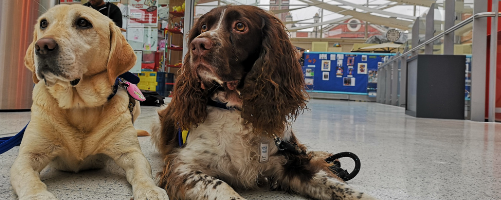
[[148, 81]]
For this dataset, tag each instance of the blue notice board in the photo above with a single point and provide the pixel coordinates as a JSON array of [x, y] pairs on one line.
[[346, 73]]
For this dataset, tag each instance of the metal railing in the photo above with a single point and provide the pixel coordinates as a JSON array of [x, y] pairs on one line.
[[440, 35], [389, 85]]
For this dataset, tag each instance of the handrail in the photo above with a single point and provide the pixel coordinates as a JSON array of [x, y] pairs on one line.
[[440, 35]]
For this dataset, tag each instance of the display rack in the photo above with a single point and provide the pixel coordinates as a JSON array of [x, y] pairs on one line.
[[174, 44]]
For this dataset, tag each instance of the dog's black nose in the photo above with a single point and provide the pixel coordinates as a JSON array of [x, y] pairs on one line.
[[45, 47], [201, 46]]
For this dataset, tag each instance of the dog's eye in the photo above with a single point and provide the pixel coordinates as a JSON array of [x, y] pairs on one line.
[[240, 27], [204, 28], [83, 23], [44, 24]]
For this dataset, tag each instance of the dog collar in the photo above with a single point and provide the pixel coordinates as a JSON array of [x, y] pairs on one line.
[[128, 81], [217, 104]]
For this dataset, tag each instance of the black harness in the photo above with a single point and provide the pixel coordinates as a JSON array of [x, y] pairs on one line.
[[293, 148]]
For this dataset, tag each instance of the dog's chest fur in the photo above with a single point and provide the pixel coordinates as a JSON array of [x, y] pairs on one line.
[[224, 146], [77, 132]]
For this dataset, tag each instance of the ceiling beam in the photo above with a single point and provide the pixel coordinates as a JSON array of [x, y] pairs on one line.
[[375, 10], [390, 22]]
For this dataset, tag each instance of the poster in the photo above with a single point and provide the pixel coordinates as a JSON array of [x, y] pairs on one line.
[[150, 39], [124, 9], [339, 71], [143, 12], [372, 76], [135, 34], [325, 76], [309, 72], [348, 81], [364, 58], [350, 61], [333, 56], [137, 65], [146, 42], [326, 65], [308, 81], [362, 68], [322, 56], [340, 56], [339, 63], [350, 72]]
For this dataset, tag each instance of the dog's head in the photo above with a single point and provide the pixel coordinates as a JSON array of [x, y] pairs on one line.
[[244, 51], [72, 43]]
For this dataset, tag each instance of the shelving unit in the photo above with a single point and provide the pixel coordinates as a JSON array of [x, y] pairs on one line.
[[174, 45]]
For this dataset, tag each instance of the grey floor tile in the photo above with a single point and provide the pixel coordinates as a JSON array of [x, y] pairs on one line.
[[402, 157]]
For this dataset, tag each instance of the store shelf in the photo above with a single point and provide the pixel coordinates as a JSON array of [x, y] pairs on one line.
[[177, 66], [177, 14], [175, 48], [175, 31]]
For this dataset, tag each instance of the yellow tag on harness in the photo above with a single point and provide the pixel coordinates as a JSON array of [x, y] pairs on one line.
[[184, 135]]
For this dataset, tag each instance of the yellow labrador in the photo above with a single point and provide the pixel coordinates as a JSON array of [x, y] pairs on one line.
[[76, 55]]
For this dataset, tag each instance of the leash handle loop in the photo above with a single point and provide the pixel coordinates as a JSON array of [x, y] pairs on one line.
[[345, 176]]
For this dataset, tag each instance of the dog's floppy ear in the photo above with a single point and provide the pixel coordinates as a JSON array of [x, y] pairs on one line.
[[29, 59], [122, 57], [189, 101], [274, 91]]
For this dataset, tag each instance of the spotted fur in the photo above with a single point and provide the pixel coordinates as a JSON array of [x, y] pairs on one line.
[[254, 72]]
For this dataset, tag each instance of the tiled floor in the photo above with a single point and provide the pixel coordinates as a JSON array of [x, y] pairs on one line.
[[402, 157]]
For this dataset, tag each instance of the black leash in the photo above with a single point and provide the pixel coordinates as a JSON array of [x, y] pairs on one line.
[[335, 168]]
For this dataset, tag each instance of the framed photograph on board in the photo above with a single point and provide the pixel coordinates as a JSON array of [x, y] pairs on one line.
[[351, 61], [326, 65], [348, 81], [362, 68], [325, 76], [308, 81], [309, 72]]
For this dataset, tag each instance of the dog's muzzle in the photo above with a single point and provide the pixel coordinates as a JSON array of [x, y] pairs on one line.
[[46, 48]]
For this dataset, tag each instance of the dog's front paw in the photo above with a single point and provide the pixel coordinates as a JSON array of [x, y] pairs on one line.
[[150, 193], [45, 195]]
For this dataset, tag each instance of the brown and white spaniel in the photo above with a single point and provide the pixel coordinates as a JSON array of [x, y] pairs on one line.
[[241, 85]]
